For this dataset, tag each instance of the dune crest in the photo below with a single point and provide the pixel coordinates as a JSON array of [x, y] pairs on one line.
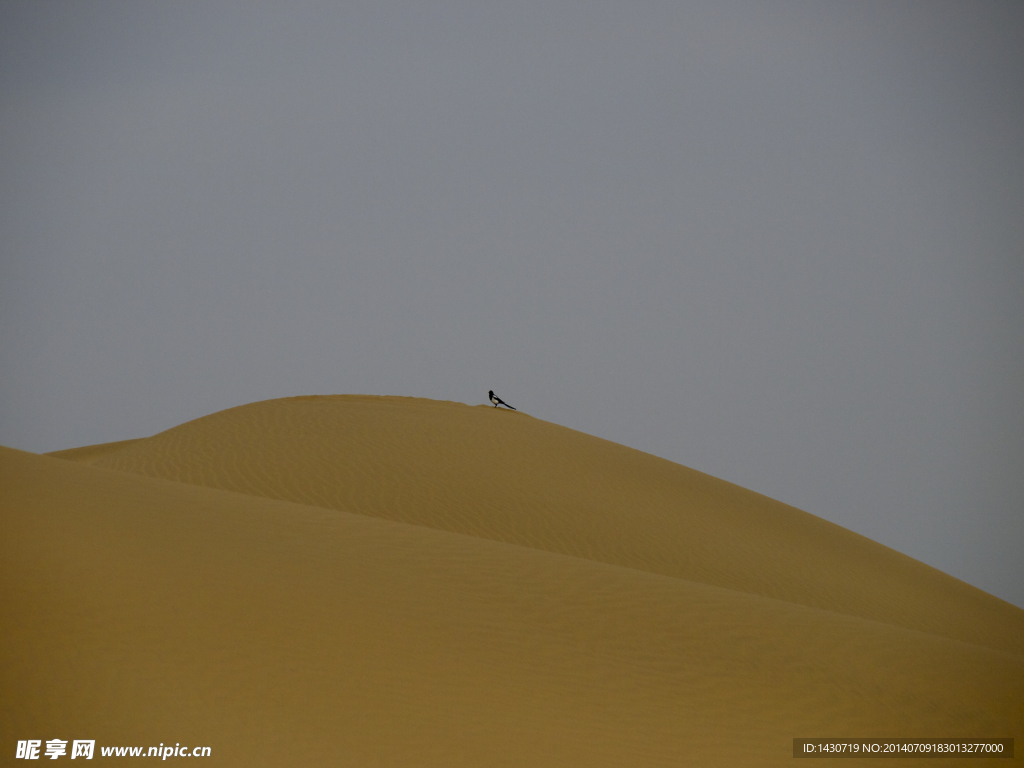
[[506, 476]]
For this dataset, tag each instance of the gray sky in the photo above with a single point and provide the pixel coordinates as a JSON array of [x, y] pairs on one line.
[[779, 242]]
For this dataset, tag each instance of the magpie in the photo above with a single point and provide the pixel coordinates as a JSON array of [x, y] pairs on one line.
[[497, 400]]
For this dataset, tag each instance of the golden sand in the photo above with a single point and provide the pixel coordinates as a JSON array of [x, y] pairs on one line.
[[402, 582]]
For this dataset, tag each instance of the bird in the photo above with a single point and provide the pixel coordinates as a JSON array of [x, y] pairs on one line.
[[497, 400]]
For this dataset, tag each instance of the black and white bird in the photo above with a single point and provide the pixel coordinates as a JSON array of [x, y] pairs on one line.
[[497, 400]]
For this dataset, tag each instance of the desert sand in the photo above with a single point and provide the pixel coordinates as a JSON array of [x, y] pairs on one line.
[[381, 581]]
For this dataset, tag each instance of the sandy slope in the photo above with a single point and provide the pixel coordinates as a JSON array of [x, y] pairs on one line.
[[545, 598]]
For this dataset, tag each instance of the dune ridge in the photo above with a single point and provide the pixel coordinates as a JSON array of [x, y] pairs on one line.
[[506, 476], [88, 454]]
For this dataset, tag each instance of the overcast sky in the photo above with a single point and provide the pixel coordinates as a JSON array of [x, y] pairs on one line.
[[779, 242]]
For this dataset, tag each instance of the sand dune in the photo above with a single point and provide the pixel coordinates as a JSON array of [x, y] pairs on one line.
[[504, 476], [391, 581]]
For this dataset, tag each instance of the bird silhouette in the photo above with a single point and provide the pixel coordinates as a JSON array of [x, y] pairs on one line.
[[497, 400]]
